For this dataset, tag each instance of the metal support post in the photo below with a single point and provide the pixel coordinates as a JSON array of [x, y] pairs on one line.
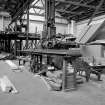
[[50, 18], [27, 32], [69, 75], [9, 47], [15, 47]]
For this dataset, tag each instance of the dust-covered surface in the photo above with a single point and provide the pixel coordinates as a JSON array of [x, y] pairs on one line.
[[33, 91]]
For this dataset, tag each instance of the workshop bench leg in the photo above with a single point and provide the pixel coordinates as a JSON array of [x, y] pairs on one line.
[[98, 74], [19, 62]]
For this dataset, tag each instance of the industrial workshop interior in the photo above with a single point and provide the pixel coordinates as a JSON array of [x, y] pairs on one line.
[[52, 52]]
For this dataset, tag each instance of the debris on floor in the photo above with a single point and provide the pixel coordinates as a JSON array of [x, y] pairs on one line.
[[7, 86], [13, 66], [46, 83], [54, 85], [7, 57]]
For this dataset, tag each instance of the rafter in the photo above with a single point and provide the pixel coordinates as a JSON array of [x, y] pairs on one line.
[[80, 2], [69, 12], [97, 9], [16, 15], [86, 15], [65, 10], [36, 2], [77, 3], [84, 12], [70, 4], [57, 4], [37, 7], [43, 3]]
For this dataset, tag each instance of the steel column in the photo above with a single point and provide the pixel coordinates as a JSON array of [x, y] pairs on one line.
[[49, 27], [27, 32]]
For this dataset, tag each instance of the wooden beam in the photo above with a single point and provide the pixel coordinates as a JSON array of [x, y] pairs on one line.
[[77, 3]]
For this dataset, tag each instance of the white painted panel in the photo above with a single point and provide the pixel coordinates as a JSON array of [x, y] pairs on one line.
[[60, 28], [60, 20], [6, 23], [33, 25], [80, 28], [1, 24]]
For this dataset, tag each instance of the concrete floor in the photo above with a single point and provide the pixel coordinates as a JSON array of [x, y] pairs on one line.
[[33, 91]]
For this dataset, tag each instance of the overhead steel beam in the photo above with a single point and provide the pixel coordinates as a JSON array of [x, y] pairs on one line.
[[78, 7], [37, 14], [97, 9], [64, 11], [42, 21], [84, 3], [56, 4], [69, 6], [69, 12], [27, 32], [42, 14], [87, 15], [37, 7], [36, 2], [77, 3]]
